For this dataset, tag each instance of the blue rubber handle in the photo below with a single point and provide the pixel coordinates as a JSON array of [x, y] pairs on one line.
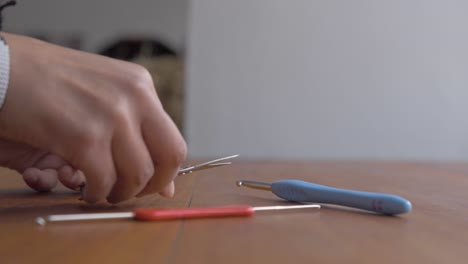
[[301, 191]]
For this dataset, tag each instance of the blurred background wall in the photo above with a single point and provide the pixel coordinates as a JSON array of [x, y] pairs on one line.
[[99, 22], [299, 79], [335, 79]]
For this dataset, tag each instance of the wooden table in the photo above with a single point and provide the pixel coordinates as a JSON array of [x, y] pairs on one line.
[[435, 232]]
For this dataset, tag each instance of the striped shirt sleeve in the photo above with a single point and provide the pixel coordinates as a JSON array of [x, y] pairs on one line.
[[4, 70]]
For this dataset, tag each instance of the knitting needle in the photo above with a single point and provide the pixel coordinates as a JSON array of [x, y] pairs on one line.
[[152, 214]]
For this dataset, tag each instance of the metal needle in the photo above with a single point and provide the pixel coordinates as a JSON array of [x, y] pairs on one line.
[[207, 165], [255, 185]]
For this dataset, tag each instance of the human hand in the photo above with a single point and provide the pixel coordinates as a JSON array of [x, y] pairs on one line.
[[40, 170], [101, 115]]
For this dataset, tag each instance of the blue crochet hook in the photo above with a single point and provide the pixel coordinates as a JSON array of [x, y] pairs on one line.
[[301, 191]]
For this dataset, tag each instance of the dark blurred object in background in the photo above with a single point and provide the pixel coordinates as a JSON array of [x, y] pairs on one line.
[[163, 63], [168, 77], [130, 48]]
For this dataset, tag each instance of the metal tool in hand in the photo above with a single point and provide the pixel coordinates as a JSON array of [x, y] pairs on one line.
[[202, 166], [207, 165], [301, 191]]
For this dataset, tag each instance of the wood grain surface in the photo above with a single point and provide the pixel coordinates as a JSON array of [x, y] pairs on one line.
[[436, 231]]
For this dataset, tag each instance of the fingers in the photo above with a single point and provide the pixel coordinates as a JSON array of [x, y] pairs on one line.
[[133, 165], [50, 161], [43, 175], [46, 179], [40, 180], [168, 151], [71, 178], [100, 176], [168, 191]]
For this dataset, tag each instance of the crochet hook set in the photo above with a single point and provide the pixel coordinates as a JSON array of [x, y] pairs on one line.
[[290, 190]]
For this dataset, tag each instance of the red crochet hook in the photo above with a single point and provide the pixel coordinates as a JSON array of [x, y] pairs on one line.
[[152, 214]]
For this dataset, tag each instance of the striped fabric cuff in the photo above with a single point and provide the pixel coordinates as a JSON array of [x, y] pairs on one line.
[[4, 70]]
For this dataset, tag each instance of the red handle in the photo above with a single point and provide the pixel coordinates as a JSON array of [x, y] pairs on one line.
[[151, 214]]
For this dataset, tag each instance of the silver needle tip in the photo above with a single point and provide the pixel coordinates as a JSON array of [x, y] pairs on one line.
[[40, 221], [254, 185]]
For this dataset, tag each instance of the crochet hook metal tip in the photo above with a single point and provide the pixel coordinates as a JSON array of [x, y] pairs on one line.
[[207, 165], [254, 185]]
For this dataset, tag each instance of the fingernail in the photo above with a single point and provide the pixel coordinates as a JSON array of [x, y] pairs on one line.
[[79, 178]]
